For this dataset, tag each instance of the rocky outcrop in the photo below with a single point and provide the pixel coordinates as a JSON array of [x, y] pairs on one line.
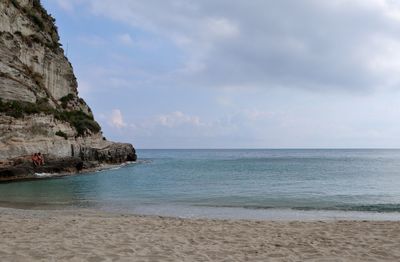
[[24, 170], [40, 110]]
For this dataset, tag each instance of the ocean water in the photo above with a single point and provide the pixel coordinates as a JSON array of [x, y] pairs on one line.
[[249, 184]]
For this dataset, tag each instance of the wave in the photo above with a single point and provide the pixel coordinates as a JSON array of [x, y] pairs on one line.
[[44, 174], [378, 208]]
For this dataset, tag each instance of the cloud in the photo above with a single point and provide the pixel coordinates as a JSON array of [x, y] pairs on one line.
[[173, 120], [177, 118], [267, 73], [116, 120], [125, 39], [341, 45], [182, 130], [177, 124], [220, 27]]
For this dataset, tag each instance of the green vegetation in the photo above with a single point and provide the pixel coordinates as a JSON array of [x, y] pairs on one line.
[[62, 134], [39, 129], [13, 109], [42, 20], [36, 19], [65, 99], [15, 3], [78, 119], [17, 109], [37, 4]]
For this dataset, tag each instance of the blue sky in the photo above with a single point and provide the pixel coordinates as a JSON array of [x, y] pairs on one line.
[[235, 73]]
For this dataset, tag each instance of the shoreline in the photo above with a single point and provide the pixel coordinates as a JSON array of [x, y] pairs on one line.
[[240, 213], [100, 168], [93, 235], [192, 212], [27, 173]]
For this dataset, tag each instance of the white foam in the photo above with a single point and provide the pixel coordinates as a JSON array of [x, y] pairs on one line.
[[273, 214], [116, 167], [43, 174]]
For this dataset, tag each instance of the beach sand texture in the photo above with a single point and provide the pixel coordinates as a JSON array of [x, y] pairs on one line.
[[33, 235]]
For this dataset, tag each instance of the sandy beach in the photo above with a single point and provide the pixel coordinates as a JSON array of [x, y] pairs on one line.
[[37, 235]]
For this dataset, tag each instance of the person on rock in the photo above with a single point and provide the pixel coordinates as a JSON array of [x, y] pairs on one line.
[[40, 159], [35, 160]]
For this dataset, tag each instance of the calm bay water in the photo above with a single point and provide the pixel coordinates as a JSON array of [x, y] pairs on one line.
[[355, 184]]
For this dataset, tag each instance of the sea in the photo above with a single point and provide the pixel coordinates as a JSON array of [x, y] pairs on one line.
[[261, 184]]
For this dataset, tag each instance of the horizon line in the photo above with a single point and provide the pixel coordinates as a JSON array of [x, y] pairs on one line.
[[279, 148]]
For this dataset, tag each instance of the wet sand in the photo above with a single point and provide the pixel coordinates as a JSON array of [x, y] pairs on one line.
[[82, 235]]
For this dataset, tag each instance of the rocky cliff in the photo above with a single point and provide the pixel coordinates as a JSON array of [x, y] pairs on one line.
[[40, 110]]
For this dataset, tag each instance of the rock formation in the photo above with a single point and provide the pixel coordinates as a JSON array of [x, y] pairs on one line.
[[40, 110]]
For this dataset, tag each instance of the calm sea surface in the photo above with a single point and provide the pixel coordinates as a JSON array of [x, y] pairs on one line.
[[259, 184]]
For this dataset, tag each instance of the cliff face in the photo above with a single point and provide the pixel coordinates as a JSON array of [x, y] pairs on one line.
[[40, 110]]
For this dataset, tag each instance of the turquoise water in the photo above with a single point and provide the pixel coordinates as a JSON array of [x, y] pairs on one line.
[[231, 184]]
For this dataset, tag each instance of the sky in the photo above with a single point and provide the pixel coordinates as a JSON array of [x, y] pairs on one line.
[[237, 73]]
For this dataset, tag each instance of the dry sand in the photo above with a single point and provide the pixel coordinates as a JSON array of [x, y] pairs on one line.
[[27, 235]]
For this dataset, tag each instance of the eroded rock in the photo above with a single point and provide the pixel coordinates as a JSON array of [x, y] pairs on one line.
[[40, 110]]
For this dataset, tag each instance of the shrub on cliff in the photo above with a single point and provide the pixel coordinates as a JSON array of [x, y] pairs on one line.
[[17, 109], [65, 100], [42, 20], [78, 119], [15, 3], [62, 134], [36, 20]]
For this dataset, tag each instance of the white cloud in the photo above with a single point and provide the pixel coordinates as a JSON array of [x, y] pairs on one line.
[[116, 120], [319, 45], [221, 27], [261, 55], [176, 119], [256, 115], [177, 123], [125, 39]]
